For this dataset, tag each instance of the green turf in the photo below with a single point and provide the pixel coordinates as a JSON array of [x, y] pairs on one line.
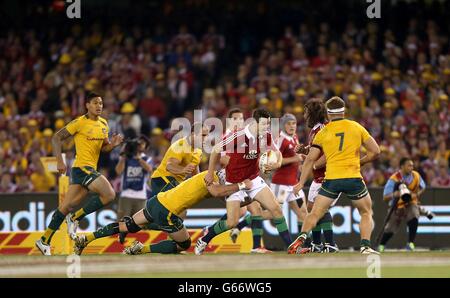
[[345, 264]]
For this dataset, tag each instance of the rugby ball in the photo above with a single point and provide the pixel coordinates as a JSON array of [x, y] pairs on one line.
[[266, 158]]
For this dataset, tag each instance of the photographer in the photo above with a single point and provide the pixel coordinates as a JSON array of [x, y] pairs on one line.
[[403, 188], [135, 168]]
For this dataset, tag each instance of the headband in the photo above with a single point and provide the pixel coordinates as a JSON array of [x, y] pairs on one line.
[[336, 111]]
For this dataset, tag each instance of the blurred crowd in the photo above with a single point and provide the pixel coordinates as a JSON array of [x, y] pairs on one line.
[[397, 86]]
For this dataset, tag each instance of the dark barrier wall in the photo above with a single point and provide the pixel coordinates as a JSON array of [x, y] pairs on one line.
[[30, 212]]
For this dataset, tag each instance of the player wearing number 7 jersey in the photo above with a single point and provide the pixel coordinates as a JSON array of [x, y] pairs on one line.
[[340, 140]]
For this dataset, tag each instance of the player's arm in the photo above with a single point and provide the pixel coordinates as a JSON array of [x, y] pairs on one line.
[[174, 166], [108, 145], [373, 150], [218, 190], [214, 159], [313, 155], [320, 163], [57, 140], [224, 160], [289, 160], [196, 170]]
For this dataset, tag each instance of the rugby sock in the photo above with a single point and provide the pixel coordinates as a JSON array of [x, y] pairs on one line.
[[316, 234], [365, 242], [327, 228], [92, 205], [385, 238], [257, 230], [299, 226], [163, 247], [412, 228], [224, 217], [282, 228], [246, 222], [108, 230], [218, 228], [54, 225]]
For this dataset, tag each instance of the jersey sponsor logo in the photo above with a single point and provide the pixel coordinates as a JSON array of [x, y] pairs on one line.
[[94, 139]]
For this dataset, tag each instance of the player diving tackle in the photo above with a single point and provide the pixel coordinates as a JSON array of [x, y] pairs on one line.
[[164, 210]]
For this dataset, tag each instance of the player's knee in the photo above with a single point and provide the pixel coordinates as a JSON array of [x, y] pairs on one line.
[[232, 222], [365, 212], [132, 227], [184, 245], [277, 211]]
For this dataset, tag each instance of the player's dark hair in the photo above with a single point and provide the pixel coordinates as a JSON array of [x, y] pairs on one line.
[[91, 96], [317, 112], [404, 160], [260, 113], [335, 103], [234, 111]]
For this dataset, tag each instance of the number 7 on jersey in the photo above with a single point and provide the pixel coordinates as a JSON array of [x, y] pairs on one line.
[[341, 142]]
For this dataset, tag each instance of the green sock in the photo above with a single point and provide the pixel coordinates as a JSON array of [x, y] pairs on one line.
[[91, 206], [327, 228], [246, 221], [299, 226], [54, 225], [108, 230], [257, 230], [282, 229], [218, 228], [163, 247], [365, 242], [316, 234]]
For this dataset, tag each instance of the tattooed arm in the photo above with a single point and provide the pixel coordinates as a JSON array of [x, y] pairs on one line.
[[57, 140]]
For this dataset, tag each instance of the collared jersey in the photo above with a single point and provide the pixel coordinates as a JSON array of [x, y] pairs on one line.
[[182, 151], [340, 141], [88, 136]]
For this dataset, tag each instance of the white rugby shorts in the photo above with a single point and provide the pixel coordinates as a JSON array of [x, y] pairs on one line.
[[258, 185], [285, 193]]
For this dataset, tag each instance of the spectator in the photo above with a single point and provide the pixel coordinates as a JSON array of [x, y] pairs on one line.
[[442, 180], [6, 184], [153, 108], [42, 180]]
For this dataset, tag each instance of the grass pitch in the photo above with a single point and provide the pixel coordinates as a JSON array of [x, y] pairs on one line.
[[276, 265]]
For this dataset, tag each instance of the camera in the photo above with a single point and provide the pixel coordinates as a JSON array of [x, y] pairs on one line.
[[131, 148], [405, 193]]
